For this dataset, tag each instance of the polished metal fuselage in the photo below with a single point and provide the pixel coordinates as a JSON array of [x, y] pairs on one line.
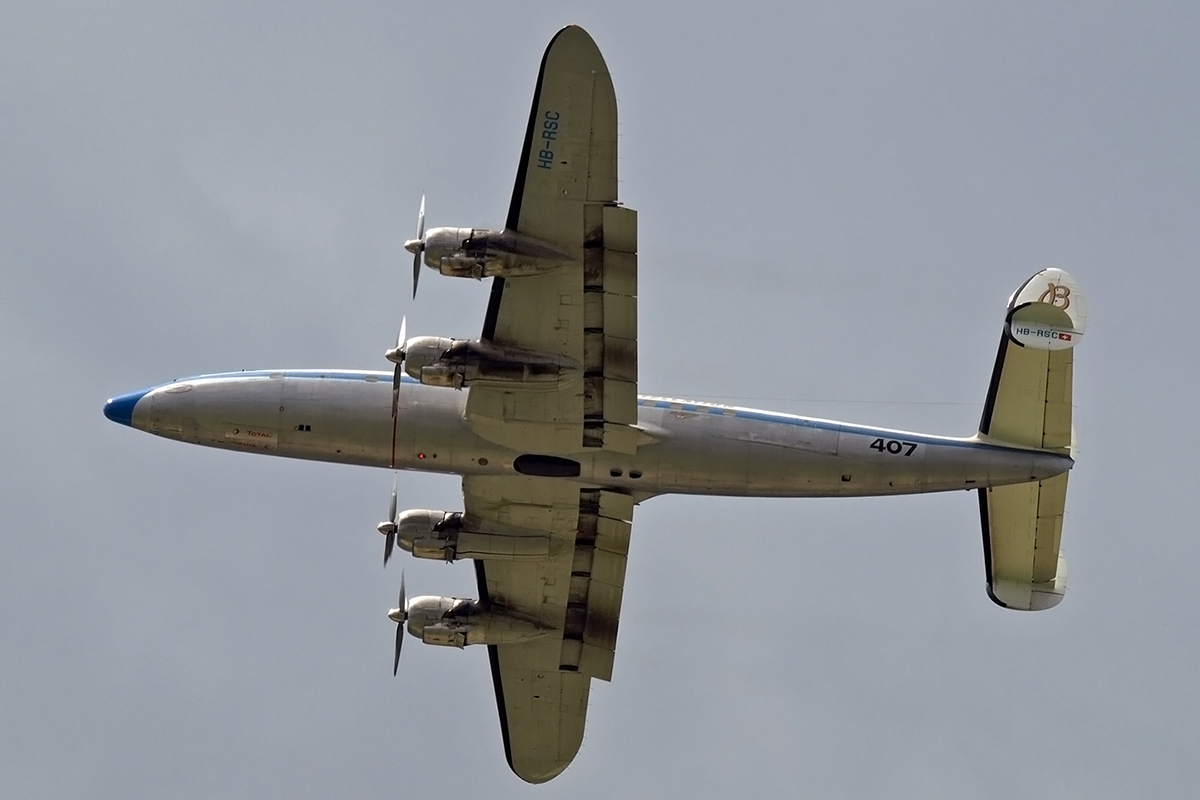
[[344, 416]]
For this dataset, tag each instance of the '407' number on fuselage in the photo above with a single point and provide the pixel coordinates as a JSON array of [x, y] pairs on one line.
[[894, 447]]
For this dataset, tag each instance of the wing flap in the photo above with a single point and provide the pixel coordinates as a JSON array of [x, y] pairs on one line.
[[610, 343], [601, 551]]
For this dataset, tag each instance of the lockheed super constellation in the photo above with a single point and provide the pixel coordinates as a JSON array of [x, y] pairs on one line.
[[541, 418]]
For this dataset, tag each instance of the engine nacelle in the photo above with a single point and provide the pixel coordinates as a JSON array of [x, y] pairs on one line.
[[460, 621], [479, 253], [445, 536], [456, 363], [445, 635]]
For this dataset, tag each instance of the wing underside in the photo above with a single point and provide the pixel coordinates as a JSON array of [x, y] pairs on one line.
[[542, 685], [586, 314], [566, 195]]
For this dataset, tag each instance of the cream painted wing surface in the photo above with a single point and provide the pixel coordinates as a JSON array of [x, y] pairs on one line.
[[1029, 404], [585, 311], [542, 684]]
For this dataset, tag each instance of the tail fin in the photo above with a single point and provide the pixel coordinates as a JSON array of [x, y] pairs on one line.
[[1029, 404]]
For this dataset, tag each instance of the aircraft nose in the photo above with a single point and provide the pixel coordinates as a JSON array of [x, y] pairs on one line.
[[120, 408]]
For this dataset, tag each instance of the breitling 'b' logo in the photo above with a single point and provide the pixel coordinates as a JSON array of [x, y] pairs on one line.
[[1057, 295]]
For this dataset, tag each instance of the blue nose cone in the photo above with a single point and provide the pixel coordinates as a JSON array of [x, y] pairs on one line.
[[120, 409]]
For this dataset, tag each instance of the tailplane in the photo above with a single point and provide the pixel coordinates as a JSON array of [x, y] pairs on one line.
[[1029, 405]]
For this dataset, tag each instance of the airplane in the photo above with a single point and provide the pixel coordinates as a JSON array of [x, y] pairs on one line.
[[541, 419]]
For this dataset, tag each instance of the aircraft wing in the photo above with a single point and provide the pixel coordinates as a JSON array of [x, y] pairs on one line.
[[586, 311], [566, 195], [542, 685]]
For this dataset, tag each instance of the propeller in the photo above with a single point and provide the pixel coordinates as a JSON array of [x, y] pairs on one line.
[[389, 526], [417, 246], [399, 616]]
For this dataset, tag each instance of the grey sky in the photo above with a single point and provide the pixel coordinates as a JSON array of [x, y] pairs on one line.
[[834, 203]]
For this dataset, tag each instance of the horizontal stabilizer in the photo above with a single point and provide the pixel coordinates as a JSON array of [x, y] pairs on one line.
[[1029, 405], [1029, 397], [1022, 529]]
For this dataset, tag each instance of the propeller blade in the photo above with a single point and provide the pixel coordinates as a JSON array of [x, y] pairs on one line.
[[389, 541], [399, 370], [396, 390], [399, 644], [420, 248], [400, 627]]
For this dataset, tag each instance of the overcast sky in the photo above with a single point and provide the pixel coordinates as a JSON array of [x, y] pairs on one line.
[[835, 202]]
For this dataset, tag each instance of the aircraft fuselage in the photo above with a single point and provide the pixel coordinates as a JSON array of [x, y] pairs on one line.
[[344, 416]]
